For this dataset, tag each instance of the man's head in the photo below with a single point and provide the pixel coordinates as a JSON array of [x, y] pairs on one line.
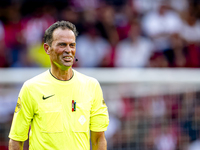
[[48, 36], [60, 44]]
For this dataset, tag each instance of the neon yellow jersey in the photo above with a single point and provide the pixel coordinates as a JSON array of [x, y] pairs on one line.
[[61, 113]]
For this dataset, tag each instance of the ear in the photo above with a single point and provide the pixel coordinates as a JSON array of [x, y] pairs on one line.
[[47, 48]]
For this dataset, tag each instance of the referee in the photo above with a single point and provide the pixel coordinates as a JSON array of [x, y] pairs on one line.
[[61, 105]]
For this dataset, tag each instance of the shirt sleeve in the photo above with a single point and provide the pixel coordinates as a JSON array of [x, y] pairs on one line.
[[22, 116], [99, 118]]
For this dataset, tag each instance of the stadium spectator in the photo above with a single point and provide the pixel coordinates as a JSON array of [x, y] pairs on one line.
[[34, 27], [165, 138], [176, 53], [190, 31], [123, 16], [68, 13], [159, 24], [25, 60], [12, 33], [135, 51], [190, 124], [158, 60], [194, 145], [195, 137], [106, 27], [4, 61], [93, 48]]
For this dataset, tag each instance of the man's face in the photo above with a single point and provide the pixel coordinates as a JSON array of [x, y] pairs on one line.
[[63, 48]]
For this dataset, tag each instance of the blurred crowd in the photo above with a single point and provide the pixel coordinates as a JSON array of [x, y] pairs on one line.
[[155, 122], [112, 33]]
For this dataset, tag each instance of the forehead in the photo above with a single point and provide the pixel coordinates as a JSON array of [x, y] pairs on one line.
[[63, 34]]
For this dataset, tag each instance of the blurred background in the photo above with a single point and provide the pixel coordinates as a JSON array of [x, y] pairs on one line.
[[151, 46]]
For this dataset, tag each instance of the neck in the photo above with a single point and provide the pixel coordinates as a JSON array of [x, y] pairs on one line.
[[62, 74]]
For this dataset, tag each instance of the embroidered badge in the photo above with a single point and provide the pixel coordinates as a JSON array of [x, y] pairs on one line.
[[103, 102], [18, 106]]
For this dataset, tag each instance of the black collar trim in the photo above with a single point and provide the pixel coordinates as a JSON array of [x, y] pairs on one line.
[[59, 79]]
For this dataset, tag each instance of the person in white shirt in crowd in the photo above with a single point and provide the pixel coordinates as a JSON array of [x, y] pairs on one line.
[[92, 49], [135, 51], [160, 24], [143, 6], [191, 26]]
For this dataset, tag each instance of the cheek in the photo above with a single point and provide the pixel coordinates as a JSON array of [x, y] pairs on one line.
[[57, 51], [74, 51], [54, 54]]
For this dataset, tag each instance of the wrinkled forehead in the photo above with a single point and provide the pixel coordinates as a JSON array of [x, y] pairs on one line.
[[63, 33]]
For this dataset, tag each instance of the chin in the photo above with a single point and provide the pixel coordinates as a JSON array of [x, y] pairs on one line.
[[66, 67], [68, 64], [62, 65]]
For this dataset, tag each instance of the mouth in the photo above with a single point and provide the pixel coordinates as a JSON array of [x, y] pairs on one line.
[[67, 58]]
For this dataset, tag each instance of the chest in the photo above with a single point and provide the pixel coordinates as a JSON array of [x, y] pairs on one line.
[[67, 108], [62, 98]]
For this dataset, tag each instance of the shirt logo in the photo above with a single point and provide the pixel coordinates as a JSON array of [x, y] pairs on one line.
[[44, 98], [82, 119]]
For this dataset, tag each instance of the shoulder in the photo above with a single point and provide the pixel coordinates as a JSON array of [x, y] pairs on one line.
[[85, 78]]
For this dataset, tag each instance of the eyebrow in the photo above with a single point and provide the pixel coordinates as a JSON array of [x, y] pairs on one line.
[[61, 43]]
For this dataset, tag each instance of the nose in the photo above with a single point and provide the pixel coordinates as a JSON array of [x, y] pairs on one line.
[[67, 49]]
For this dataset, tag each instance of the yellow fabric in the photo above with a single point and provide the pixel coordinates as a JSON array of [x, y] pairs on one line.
[[53, 124], [37, 54]]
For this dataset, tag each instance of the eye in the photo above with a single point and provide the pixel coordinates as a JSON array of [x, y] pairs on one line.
[[62, 44], [72, 45]]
